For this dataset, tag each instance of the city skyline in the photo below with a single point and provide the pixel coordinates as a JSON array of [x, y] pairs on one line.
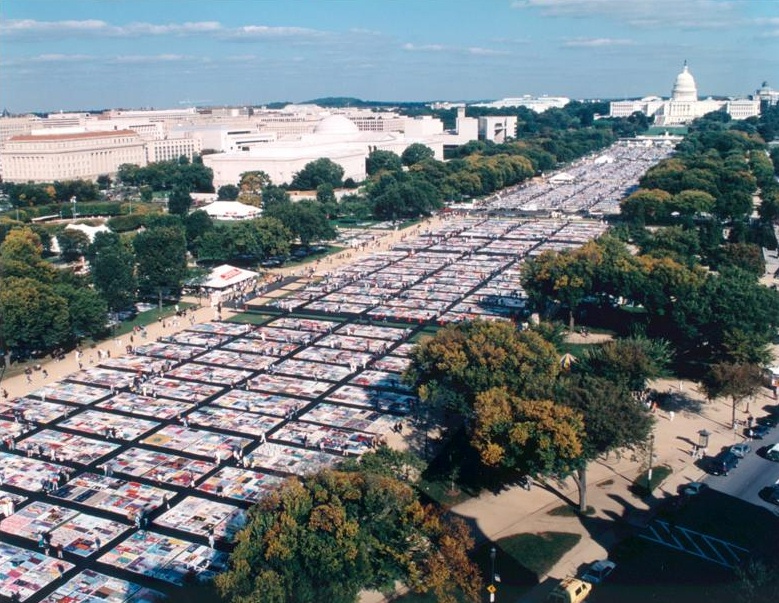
[[80, 54]]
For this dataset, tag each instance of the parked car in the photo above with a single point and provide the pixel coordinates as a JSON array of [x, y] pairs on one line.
[[723, 463], [692, 489], [740, 450], [772, 454], [758, 432], [598, 571], [570, 590], [772, 494], [769, 421]]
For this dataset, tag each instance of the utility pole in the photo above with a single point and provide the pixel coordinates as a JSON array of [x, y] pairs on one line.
[[492, 589]]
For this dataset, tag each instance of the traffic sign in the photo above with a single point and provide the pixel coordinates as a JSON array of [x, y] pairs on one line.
[[491, 589]]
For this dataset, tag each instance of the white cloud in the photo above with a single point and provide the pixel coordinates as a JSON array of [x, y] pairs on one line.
[[487, 51], [60, 58], [21, 27], [150, 58], [32, 29], [684, 14], [259, 32], [151, 29], [597, 42], [424, 47]]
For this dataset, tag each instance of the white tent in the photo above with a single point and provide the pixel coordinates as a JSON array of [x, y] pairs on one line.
[[225, 276], [561, 178], [231, 210]]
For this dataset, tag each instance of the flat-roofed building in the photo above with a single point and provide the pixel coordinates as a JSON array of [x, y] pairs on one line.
[[170, 149], [87, 155]]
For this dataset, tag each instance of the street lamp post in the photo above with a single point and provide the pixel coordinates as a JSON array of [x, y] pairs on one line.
[[651, 458], [492, 588]]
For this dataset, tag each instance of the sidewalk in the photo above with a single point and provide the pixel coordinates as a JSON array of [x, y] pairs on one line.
[[57, 370], [518, 511]]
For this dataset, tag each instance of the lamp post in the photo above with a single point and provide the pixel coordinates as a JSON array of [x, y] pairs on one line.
[[651, 458], [73, 201], [492, 589]]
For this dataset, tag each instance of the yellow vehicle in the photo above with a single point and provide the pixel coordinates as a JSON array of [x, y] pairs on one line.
[[570, 590]]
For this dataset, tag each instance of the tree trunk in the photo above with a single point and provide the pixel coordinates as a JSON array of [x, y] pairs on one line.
[[159, 298], [733, 413], [580, 477], [570, 320]]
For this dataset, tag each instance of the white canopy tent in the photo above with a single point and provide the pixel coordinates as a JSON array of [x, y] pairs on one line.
[[225, 276], [232, 210]]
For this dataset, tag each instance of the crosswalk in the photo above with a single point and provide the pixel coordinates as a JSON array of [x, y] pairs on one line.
[[695, 543]]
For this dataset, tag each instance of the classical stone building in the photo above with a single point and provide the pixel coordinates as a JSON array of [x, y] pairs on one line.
[[684, 104], [87, 155]]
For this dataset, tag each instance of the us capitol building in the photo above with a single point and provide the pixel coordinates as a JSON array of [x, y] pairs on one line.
[[684, 105]]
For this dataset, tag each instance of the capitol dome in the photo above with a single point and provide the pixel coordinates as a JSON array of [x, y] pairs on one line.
[[684, 87], [336, 124]]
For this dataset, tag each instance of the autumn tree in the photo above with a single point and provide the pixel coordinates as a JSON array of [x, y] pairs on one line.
[[463, 360], [564, 277], [335, 533], [526, 436]]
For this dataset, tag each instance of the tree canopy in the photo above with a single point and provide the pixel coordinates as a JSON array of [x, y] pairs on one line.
[[320, 171], [332, 534]]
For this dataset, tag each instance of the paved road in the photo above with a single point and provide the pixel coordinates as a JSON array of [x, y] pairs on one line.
[[752, 475]]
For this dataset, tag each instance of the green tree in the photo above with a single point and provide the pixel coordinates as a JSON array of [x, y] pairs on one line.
[[112, 267], [73, 244], [87, 310], [328, 536], [325, 195], [104, 182], [736, 381], [629, 362], [197, 224], [320, 171], [612, 418], [416, 152], [34, 316], [379, 160], [274, 195], [228, 192], [306, 220], [179, 201], [161, 255]]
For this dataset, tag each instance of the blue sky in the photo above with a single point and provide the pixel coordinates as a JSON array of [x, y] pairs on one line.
[[70, 54]]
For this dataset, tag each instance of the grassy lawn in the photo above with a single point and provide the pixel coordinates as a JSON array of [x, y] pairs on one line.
[[149, 317], [428, 331], [251, 318], [537, 553], [569, 511], [642, 485]]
